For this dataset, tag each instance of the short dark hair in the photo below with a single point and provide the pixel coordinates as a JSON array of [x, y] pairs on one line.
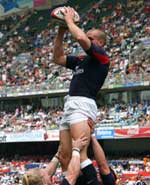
[[102, 36]]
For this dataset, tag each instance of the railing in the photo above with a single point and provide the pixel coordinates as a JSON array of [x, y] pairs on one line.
[[57, 86], [32, 89], [127, 80]]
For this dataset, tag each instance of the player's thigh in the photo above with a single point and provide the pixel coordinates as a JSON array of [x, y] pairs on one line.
[[80, 128]]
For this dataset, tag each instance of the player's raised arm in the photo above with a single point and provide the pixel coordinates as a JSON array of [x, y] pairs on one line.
[[58, 53]]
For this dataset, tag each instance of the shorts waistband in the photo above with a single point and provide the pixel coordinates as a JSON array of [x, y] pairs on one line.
[[81, 98]]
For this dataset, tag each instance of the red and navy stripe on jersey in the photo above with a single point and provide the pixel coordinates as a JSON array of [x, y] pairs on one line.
[[89, 72]]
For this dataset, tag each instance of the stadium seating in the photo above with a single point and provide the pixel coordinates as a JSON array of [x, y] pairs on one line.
[[35, 40], [115, 115], [126, 169]]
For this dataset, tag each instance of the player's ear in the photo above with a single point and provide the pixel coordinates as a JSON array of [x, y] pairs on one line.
[[100, 42]]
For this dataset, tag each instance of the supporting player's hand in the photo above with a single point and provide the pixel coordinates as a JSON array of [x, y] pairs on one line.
[[45, 177], [80, 142]]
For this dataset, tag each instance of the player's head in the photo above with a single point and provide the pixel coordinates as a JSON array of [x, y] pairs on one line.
[[97, 36], [36, 176]]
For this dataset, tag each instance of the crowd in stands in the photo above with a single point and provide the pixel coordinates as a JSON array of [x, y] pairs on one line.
[[11, 171], [26, 55], [115, 115], [25, 119], [121, 114]]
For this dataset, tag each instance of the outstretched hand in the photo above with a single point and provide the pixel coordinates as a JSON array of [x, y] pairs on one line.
[[68, 14]]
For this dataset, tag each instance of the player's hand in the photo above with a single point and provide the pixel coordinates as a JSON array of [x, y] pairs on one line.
[[45, 177], [62, 29], [93, 137], [69, 14], [80, 142]]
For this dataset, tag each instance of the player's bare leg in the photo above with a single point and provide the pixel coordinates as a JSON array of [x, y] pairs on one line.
[[77, 130], [66, 148]]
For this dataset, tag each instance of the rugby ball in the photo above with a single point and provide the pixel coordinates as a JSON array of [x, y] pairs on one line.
[[57, 15]]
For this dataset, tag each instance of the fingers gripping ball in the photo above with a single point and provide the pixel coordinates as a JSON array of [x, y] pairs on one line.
[[58, 16]]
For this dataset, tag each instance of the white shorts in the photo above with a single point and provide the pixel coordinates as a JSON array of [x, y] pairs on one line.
[[77, 109]]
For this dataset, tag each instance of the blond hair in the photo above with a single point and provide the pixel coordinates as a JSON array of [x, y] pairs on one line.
[[32, 177]]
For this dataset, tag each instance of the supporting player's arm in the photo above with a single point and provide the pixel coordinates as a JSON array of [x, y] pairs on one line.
[[58, 53], [52, 166], [100, 156], [108, 177], [73, 168], [74, 165]]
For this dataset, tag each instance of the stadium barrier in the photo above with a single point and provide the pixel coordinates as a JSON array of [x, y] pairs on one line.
[[57, 87]]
